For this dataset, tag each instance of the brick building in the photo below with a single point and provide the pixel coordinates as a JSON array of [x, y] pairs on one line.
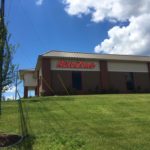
[[60, 73]]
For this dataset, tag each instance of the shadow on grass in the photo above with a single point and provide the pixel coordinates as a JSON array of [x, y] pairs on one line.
[[52, 98], [58, 137], [27, 143], [25, 129], [96, 130]]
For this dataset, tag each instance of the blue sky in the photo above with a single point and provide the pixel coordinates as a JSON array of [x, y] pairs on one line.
[[110, 26], [37, 29]]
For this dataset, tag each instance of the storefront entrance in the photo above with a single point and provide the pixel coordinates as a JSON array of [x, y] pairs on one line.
[[76, 80]]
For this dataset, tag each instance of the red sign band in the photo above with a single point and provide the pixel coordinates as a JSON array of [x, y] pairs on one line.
[[79, 64]]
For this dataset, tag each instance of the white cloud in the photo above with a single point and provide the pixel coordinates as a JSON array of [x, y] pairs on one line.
[[119, 10], [131, 39], [39, 2]]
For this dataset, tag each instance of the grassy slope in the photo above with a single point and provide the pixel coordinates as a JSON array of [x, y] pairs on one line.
[[119, 122]]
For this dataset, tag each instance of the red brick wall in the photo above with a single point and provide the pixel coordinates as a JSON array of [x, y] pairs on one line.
[[148, 64], [25, 91], [104, 76], [37, 91], [46, 76], [142, 81], [118, 81], [38, 85], [90, 80]]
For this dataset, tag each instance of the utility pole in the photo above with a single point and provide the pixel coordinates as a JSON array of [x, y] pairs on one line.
[[16, 84], [2, 44]]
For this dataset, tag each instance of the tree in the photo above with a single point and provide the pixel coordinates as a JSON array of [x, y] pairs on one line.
[[7, 69]]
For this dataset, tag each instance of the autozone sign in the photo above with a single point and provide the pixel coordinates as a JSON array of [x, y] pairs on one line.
[[75, 64]]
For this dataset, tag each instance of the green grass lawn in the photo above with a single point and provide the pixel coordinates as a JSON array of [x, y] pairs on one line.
[[95, 122]]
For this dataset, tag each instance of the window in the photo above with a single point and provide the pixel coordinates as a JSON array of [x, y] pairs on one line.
[[130, 81], [76, 80]]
